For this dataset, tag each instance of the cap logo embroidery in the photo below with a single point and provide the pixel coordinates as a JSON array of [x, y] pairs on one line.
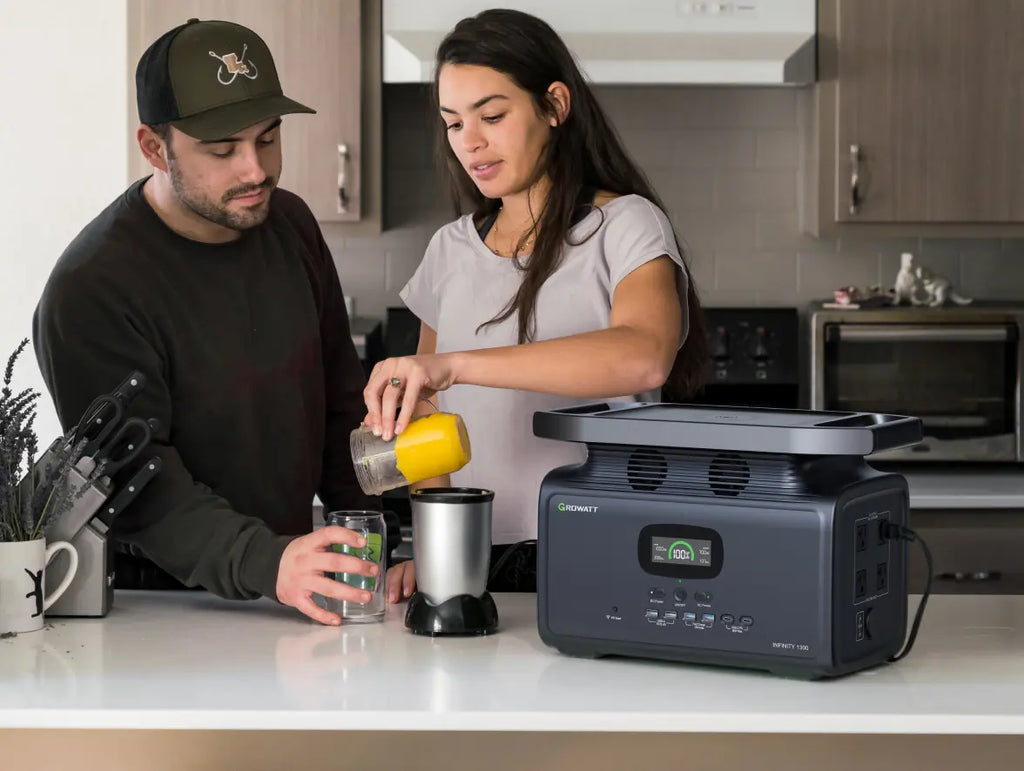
[[234, 66]]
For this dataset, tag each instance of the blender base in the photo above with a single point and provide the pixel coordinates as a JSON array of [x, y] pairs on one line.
[[463, 614]]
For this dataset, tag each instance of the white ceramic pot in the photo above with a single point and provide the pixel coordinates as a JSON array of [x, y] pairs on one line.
[[22, 579]]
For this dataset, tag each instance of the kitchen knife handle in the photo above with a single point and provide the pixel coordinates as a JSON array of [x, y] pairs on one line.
[[132, 386], [129, 490]]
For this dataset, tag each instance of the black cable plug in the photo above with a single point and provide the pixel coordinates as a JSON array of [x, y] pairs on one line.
[[895, 532]]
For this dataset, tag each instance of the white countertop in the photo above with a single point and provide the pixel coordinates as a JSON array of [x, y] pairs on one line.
[[191, 660]]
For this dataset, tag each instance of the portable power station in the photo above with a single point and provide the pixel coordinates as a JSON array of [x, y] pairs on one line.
[[743, 537]]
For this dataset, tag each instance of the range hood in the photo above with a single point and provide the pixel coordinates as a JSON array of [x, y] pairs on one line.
[[700, 42]]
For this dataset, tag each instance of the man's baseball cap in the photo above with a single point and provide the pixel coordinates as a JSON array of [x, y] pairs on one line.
[[210, 79]]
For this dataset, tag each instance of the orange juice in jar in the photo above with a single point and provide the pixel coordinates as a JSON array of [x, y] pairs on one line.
[[430, 446]]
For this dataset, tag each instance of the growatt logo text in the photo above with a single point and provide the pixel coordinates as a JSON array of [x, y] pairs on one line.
[[574, 507]]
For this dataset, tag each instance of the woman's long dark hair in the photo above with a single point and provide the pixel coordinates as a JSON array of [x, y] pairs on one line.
[[583, 152]]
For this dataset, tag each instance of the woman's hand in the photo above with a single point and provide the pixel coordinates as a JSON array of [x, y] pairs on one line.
[[401, 582], [400, 383]]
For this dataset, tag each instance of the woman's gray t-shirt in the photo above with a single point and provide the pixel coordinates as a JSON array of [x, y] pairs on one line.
[[461, 284]]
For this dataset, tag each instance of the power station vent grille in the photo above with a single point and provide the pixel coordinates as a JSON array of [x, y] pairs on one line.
[[670, 471]]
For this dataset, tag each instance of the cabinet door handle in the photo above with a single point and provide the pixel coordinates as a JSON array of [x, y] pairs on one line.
[[343, 156], [855, 199]]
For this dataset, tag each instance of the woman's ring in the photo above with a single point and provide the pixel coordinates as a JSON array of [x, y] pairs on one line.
[[396, 382]]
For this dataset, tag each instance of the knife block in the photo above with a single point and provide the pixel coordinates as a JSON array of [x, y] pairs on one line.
[[87, 496], [91, 592], [92, 589]]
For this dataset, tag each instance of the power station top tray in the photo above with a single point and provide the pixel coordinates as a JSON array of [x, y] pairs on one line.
[[749, 429]]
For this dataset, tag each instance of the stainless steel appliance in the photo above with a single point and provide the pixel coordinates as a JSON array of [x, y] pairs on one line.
[[957, 368], [451, 529], [734, 536]]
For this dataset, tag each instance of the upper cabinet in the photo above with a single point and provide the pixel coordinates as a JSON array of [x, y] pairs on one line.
[[917, 119], [327, 54]]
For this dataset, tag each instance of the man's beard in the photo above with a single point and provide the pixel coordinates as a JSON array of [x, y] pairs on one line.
[[217, 211]]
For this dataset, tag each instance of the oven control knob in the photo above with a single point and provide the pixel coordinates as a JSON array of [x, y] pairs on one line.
[[720, 344], [758, 348]]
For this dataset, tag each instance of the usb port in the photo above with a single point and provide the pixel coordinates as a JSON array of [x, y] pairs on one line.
[[882, 576], [860, 584]]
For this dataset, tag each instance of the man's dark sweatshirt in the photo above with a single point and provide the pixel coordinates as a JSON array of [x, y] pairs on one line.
[[250, 370]]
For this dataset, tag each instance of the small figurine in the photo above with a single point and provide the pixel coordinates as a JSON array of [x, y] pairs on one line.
[[917, 285], [860, 297]]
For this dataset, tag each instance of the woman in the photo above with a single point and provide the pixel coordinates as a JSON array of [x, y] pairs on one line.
[[565, 284]]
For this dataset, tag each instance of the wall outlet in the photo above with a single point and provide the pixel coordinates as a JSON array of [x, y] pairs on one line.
[[860, 584], [861, 537], [882, 576]]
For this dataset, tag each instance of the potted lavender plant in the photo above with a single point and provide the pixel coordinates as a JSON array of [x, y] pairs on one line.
[[31, 499]]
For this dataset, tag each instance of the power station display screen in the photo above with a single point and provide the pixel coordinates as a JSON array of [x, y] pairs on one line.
[[668, 550], [681, 551]]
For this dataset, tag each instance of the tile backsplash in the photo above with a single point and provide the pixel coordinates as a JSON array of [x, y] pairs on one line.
[[724, 161]]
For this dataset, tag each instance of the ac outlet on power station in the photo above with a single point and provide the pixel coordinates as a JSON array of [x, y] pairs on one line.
[[861, 537], [871, 557]]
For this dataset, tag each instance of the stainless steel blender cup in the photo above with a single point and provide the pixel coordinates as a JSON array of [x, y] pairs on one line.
[[451, 537]]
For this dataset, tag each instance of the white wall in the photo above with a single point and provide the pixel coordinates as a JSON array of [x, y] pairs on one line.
[[63, 113]]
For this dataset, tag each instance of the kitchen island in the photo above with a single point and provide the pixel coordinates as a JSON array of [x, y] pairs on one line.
[[190, 676]]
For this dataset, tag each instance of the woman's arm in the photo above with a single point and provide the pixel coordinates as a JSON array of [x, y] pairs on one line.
[[634, 354]]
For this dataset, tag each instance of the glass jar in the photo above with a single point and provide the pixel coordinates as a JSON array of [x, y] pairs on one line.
[[430, 446]]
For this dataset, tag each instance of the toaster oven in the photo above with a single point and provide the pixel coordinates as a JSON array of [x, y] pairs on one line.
[[958, 369]]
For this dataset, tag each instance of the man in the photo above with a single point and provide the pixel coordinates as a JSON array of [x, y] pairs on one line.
[[219, 288]]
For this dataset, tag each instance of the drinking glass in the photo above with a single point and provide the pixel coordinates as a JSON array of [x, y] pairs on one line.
[[370, 525]]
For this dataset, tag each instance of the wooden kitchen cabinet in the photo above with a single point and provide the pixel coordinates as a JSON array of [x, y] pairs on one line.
[[327, 54], [916, 125]]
